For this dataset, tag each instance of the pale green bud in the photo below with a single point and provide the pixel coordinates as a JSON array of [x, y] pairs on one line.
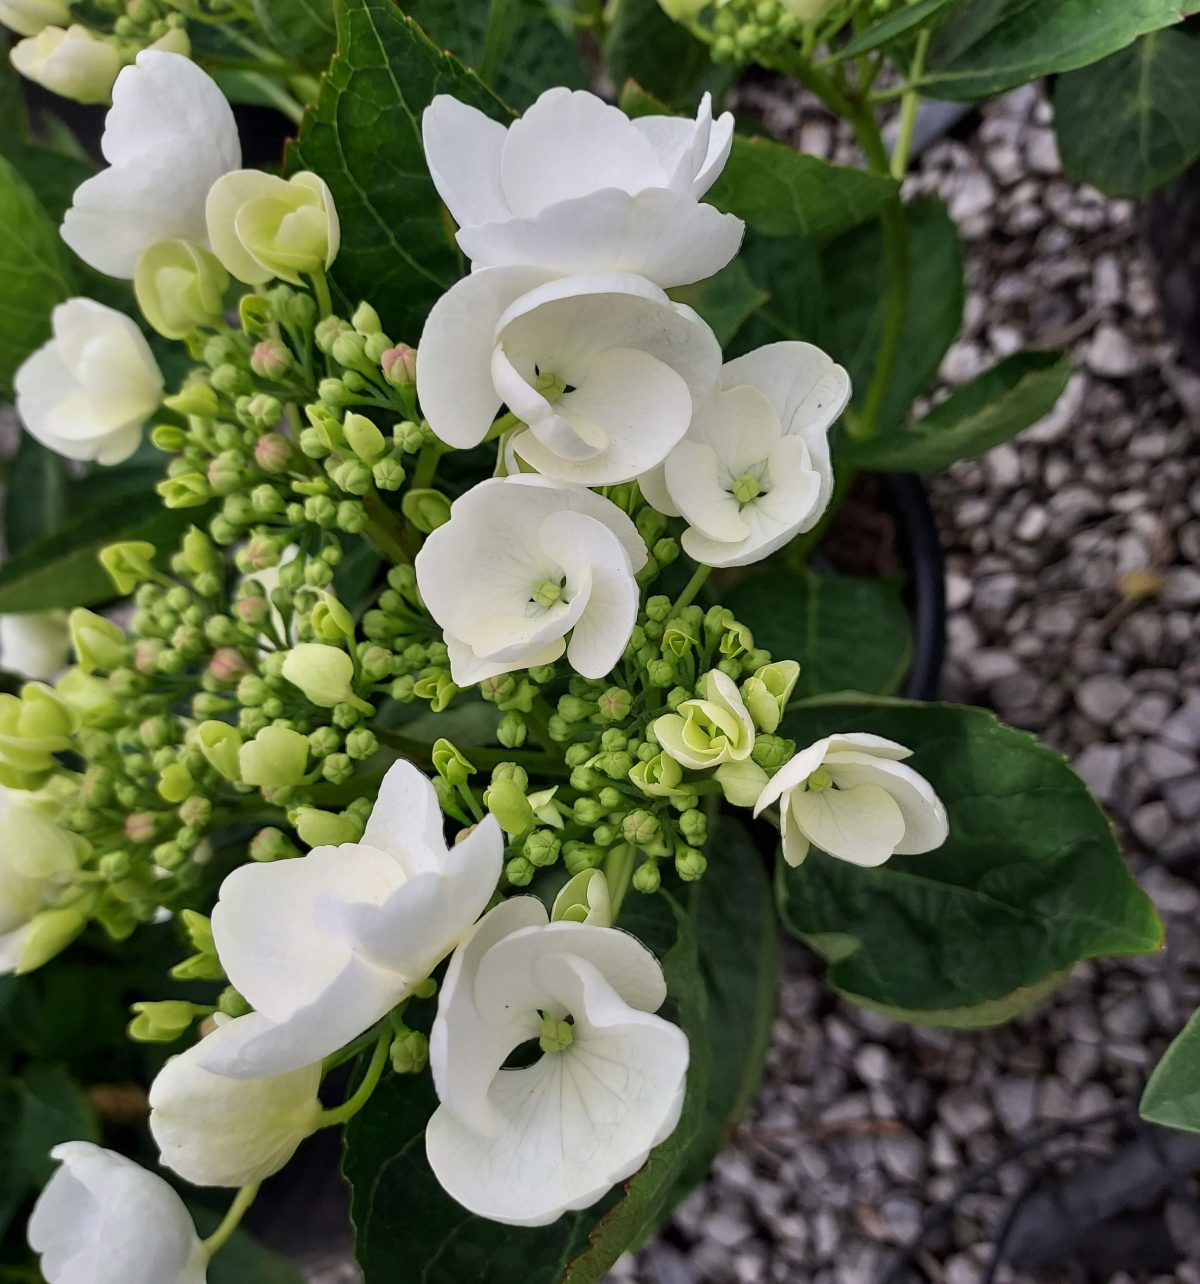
[[426, 510], [766, 693], [331, 622], [512, 730], [640, 827], [366, 320], [190, 490], [363, 437], [179, 287], [409, 1052], [175, 783], [277, 757], [90, 697], [326, 828], [263, 227], [690, 864], [771, 752], [742, 782], [646, 878], [46, 935], [584, 899], [196, 399], [506, 800], [98, 642], [221, 745], [579, 856], [324, 673], [453, 767], [128, 564], [161, 1022]]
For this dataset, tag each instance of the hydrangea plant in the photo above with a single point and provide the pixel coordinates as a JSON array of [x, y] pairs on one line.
[[429, 736]]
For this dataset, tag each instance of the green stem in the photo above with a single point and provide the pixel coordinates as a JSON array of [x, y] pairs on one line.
[[427, 462], [908, 109], [691, 588], [362, 1094], [283, 102], [232, 1219], [506, 423], [618, 871], [321, 290], [496, 39], [384, 530], [538, 719]]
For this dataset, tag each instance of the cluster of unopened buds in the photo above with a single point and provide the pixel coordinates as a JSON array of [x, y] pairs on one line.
[[286, 665]]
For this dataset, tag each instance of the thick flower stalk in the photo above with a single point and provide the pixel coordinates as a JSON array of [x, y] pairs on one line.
[[255, 747]]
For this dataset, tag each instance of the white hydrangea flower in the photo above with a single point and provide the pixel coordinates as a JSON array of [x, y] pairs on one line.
[[520, 564], [525, 1146], [604, 370], [35, 644], [74, 62], [851, 796], [37, 858], [88, 391], [325, 945], [168, 138], [28, 17], [104, 1219], [575, 186], [754, 470], [217, 1131]]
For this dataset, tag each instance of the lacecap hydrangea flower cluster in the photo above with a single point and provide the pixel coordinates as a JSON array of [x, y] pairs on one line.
[[277, 688]]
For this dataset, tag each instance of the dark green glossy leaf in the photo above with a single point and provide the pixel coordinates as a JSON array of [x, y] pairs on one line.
[[791, 272], [530, 51], [302, 30], [243, 1260], [54, 1109], [363, 137], [726, 301], [992, 408], [848, 634], [52, 176], [63, 571], [32, 278], [903, 20], [782, 192], [1029, 882], [1131, 122], [644, 45], [35, 496], [989, 46], [1172, 1096]]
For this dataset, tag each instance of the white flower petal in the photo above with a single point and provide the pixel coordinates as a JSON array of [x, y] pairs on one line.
[[463, 149], [925, 822], [695, 481], [861, 825], [406, 807]]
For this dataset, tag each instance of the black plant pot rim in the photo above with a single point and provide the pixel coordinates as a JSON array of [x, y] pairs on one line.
[[925, 587]]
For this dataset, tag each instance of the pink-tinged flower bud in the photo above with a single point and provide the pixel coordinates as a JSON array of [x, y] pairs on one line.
[[399, 365], [145, 655], [253, 610], [270, 359], [262, 552], [141, 826], [273, 452], [226, 664]]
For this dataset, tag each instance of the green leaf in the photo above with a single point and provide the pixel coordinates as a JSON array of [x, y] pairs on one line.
[[407, 1228], [644, 45], [243, 1260], [992, 408], [848, 634], [989, 46], [726, 301], [782, 192], [1172, 1096], [32, 279], [52, 176], [363, 137], [1131, 122], [1029, 882], [537, 52], [856, 278], [900, 22], [35, 496], [62, 570], [302, 30], [791, 272], [54, 1109]]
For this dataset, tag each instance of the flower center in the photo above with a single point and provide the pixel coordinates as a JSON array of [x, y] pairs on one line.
[[547, 593], [819, 781], [746, 488], [549, 385], [556, 1036]]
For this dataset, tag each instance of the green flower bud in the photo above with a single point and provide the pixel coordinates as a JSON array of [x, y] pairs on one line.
[[409, 1052], [542, 847], [330, 620], [362, 744], [271, 844], [512, 731], [506, 800], [326, 828], [399, 366], [179, 287], [766, 693], [277, 756], [162, 1022], [195, 399], [128, 564], [646, 878], [694, 827], [616, 766], [519, 871], [614, 704], [263, 227], [324, 673], [187, 491], [771, 752], [169, 438], [337, 768], [578, 856], [660, 673], [579, 755], [450, 764], [98, 642], [640, 827], [176, 783], [46, 935], [584, 899], [690, 864], [572, 709], [363, 437], [221, 746], [426, 509], [349, 349], [438, 688], [587, 811]]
